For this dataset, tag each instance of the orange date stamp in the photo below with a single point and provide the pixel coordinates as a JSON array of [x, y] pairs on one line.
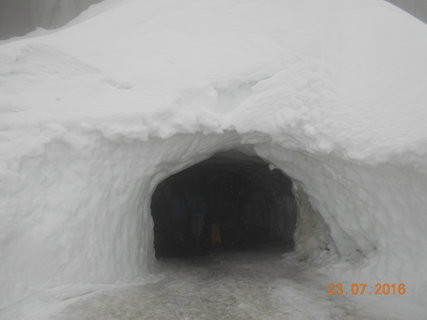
[[363, 289]]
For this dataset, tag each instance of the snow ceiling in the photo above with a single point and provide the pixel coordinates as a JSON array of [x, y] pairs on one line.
[[94, 115]]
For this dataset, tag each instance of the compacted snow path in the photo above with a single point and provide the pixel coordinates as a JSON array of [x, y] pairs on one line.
[[222, 286]]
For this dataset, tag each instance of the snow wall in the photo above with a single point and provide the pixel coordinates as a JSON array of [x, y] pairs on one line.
[[88, 131], [81, 214]]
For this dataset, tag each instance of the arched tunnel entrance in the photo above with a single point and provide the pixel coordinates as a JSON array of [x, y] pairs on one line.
[[231, 200]]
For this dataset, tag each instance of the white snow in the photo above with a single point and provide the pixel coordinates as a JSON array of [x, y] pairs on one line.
[[94, 116]]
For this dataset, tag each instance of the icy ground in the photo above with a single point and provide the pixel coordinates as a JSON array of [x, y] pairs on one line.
[[256, 285]]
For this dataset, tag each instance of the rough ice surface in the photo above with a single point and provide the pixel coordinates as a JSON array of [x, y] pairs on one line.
[[95, 115]]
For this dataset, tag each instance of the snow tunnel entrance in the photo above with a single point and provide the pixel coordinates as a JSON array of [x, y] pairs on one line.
[[231, 200]]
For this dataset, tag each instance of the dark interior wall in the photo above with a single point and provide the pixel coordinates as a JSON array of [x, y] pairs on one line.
[[231, 196]]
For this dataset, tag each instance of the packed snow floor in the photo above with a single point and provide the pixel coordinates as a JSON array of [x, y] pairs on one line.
[[246, 285]]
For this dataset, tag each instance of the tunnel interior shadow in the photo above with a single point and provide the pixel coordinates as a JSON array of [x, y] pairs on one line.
[[229, 201]]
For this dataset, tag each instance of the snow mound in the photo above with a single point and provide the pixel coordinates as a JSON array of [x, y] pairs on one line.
[[93, 117]]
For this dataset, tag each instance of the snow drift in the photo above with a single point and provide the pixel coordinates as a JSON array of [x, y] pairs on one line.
[[18, 17], [95, 116]]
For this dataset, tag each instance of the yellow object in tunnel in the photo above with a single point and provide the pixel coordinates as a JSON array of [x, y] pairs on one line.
[[215, 234]]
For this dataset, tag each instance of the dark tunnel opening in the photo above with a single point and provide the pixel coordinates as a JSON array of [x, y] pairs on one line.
[[229, 201]]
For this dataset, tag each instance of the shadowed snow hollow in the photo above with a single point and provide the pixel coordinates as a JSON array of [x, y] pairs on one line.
[[94, 117]]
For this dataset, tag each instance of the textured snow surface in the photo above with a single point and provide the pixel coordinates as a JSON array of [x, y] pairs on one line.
[[94, 116]]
